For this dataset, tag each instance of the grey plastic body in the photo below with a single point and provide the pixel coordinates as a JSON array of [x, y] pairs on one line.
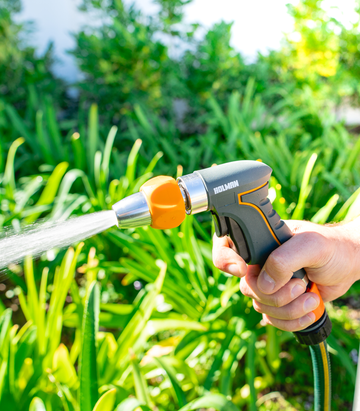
[[238, 190]]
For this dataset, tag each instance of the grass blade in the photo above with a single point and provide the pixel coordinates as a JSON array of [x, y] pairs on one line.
[[179, 393], [88, 367], [93, 138], [106, 401], [132, 404], [323, 214], [9, 174], [215, 401], [107, 151], [50, 190], [250, 371], [305, 189], [141, 387], [37, 405]]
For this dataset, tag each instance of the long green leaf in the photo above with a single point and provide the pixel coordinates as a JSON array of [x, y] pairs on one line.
[[37, 405], [50, 190], [132, 404], [217, 401], [137, 324], [250, 371], [323, 214], [106, 401], [9, 174], [88, 368], [141, 387], [179, 393], [305, 189], [93, 138]]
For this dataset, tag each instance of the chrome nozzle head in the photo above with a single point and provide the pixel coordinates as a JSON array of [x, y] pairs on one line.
[[132, 211]]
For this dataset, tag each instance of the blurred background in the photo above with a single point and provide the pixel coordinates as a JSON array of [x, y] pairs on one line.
[[96, 97]]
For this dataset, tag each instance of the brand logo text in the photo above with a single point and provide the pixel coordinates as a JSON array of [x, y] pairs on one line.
[[225, 187]]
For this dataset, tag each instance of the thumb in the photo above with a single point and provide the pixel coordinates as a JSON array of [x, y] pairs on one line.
[[303, 250]]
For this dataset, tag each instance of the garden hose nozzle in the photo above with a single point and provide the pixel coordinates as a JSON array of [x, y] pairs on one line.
[[236, 195]]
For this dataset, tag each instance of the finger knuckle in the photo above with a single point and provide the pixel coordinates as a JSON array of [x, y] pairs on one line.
[[276, 261], [257, 307], [277, 301], [312, 237], [243, 286], [290, 314], [245, 289], [219, 261]]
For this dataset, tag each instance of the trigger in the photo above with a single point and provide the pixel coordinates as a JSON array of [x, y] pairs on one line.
[[221, 228], [237, 235]]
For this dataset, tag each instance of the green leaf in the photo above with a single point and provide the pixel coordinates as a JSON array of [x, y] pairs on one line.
[[343, 357], [93, 138], [20, 127], [323, 214], [64, 370], [107, 401], [62, 281], [50, 190], [88, 367], [179, 393], [9, 174], [132, 160], [341, 214], [107, 152], [250, 371], [132, 404], [5, 325], [141, 387], [218, 360], [42, 139], [37, 405], [305, 189], [54, 132], [79, 151], [136, 326], [217, 401]]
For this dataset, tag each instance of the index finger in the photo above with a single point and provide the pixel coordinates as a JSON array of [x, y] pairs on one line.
[[226, 259]]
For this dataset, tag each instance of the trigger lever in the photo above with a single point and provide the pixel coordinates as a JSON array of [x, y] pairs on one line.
[[221, 228], [237, 235]]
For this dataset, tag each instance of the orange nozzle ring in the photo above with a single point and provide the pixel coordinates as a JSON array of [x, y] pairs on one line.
[[165, 202]]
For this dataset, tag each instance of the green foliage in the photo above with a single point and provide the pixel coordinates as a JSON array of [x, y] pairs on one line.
[[122, 63], [21, 69], [214, 68]]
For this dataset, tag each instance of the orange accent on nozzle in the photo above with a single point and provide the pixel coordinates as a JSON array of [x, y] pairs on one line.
[[165, 202], [319, 311]]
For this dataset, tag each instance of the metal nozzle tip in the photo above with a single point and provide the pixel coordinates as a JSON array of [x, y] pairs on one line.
[[132, 211]]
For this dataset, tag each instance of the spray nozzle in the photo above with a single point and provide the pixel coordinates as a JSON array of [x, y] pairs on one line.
[[160, 203]]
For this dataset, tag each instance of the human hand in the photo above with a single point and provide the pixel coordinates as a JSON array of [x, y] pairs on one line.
[[329, 254]]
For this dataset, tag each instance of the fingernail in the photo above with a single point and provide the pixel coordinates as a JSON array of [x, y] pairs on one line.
[[310, 304], [233, 269], [297, 290], [307, 319], [265, 282]]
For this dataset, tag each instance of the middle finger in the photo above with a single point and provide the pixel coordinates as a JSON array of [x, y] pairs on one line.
[[248, 286]]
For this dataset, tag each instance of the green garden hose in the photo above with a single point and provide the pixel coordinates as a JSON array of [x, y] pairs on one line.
[[322, 376]]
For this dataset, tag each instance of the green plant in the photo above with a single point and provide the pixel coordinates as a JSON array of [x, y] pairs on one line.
[[21, 69]]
